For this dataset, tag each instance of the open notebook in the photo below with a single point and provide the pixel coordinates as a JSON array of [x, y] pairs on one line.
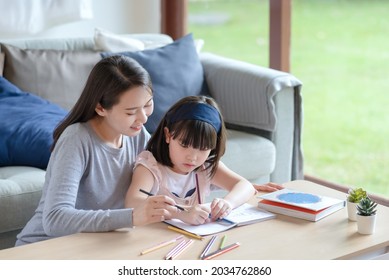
[[243, 215]]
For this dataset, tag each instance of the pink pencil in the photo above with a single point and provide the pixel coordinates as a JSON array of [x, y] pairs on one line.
[[179, 252], [175, 249]]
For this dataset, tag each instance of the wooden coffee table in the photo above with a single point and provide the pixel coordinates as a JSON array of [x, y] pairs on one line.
[[283, 238]]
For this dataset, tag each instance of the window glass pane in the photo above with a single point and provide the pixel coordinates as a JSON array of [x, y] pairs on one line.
[[233, 28], [340, 51]]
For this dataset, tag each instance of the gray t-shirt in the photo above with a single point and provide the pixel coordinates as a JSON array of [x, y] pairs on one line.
[[85, 186]]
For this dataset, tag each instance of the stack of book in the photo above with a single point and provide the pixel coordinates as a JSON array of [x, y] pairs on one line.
[[301, 205]]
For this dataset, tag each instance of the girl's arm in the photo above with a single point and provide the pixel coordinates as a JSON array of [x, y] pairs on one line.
[[240, 190], [147, 209], [142, 178]]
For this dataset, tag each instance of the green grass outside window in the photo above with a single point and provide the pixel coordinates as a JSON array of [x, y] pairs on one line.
[[340, 51]]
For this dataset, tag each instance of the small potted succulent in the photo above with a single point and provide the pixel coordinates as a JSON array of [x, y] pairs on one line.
[[353, 198], [366, 215]]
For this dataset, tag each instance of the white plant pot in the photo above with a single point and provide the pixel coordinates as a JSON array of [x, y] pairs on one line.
[[352, 210], [366, 224]]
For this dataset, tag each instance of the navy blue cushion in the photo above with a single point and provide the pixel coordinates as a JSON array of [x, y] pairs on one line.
[[27, 123], [175, 71], [7, 86]]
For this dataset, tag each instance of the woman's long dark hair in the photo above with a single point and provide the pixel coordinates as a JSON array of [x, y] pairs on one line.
[[195, 133], [108, 80]]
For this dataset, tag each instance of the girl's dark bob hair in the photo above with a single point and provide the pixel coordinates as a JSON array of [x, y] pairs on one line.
[[192, 133]]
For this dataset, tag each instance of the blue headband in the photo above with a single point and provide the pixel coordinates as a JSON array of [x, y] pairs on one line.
[[196, 111]]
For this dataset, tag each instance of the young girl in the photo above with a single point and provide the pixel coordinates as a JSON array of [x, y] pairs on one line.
[[94, 148], [182, 161]]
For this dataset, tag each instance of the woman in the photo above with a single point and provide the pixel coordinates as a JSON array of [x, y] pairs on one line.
[[93, 150]]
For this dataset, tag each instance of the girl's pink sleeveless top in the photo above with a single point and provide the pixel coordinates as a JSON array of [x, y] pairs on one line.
[[201, 180]]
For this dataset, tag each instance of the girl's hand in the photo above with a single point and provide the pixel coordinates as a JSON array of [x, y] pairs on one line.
[[154, 209], [269, 187], [196, 215], [220, 208]]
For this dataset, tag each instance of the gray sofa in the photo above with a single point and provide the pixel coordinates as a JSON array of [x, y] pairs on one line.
[[261, 106]]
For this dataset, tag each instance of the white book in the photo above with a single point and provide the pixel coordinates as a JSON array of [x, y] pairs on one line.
[[242, 215], [299, 204]]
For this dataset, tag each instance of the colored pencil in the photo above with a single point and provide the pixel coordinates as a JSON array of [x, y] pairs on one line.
[[181, 249], [175, 249], [185, 232], [226, 220], [221, 251], [223, 241], [161, 245], [209, 245], [150, 194]]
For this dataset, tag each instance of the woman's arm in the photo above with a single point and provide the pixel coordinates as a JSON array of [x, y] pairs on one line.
[[74, 188], [268, 187]]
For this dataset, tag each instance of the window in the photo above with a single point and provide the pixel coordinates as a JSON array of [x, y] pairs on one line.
[[341, 54]]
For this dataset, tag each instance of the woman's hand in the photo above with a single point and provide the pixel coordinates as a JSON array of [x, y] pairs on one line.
[[220, 208], [268, 187], [154, 209], [196, 215]]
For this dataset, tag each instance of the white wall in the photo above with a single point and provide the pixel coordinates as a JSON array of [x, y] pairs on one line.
[[118, 16]]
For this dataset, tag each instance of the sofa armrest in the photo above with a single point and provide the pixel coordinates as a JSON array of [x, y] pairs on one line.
[[262, 101]]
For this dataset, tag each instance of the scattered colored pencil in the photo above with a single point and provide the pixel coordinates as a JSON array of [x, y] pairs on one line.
[[161, 245], [223, 241], [209, 245], [185, 232], [186, 246], [175, 249], [179, 249], [221, 251]]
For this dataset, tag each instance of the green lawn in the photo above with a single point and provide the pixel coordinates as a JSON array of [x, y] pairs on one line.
[[340, 51]]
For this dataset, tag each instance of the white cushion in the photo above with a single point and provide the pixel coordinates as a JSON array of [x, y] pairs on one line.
[[108, 41], [111, 42], [199, 44]]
